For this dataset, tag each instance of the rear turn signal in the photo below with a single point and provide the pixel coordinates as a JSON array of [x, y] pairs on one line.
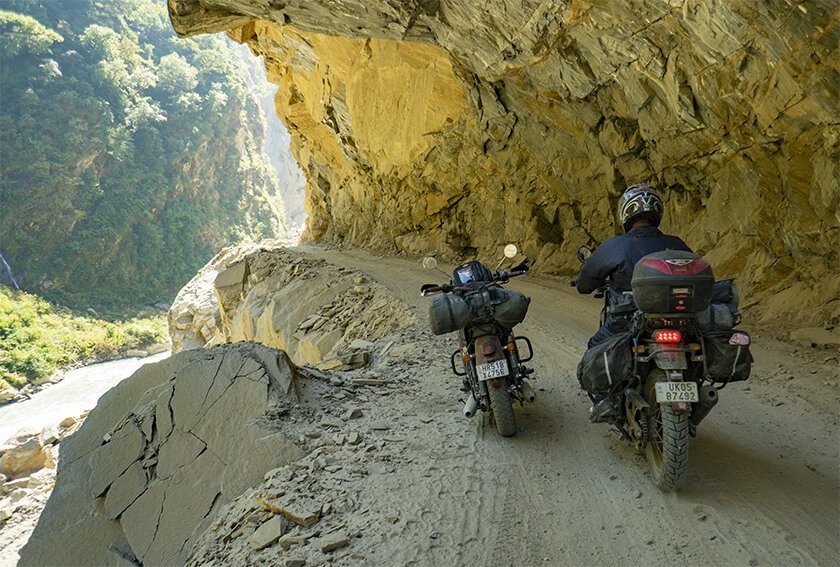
[[667, 336]]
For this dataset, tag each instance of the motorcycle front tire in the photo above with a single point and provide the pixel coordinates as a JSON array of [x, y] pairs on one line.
[[667, 446], [501, 407]]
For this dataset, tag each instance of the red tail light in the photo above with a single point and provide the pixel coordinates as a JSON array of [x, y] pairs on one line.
[[667, 336]]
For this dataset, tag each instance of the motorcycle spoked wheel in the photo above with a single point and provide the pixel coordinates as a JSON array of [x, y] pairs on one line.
[[501, 407], [667, 446]]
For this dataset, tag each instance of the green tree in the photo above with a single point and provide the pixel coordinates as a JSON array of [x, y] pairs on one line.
[[119, 177], [23, 35]]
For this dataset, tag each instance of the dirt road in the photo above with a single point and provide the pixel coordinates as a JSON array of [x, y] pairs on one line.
[[763, 486]]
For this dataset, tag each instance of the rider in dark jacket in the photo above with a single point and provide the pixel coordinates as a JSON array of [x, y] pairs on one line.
[[640, 211]]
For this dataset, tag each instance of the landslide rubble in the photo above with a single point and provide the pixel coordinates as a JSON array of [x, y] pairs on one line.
[[232, 453], [229, 455], [312, 310], [27, 476]]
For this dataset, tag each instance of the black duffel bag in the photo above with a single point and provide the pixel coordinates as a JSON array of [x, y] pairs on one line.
[[605, 364], [726, 362], [448, 313], [723, 312]]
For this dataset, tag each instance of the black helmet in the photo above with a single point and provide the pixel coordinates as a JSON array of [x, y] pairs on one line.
[[639, 201]]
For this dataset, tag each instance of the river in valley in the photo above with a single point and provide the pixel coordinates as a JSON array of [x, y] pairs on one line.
[[76, 393]]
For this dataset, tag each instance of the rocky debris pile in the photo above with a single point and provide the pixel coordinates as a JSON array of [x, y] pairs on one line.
[[161, 453], [230, 456], [194, 316], [334, 505], [312, 310], [27, 475]]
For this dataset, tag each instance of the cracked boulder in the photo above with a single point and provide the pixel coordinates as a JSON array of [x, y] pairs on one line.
[[162, 452]]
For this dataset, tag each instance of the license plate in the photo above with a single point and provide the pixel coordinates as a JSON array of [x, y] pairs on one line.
[[495, 369], [676, 392]]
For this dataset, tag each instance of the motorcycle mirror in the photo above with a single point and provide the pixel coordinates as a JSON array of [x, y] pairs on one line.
[[511, 250], [429, 263], [583, 254]]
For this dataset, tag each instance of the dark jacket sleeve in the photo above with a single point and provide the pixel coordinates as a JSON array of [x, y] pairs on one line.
[[602, 263]]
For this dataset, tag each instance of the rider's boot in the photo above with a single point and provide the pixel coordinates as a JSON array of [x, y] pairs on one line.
[[601, 410]]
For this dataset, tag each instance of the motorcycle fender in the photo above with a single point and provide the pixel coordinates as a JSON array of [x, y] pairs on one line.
[[670, 360], [488, 349]]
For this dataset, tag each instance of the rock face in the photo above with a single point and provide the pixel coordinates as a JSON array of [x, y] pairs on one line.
[[456, 126], [161, 453], [310, 309]]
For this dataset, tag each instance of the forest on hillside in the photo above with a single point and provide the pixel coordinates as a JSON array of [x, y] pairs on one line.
[[128, 156]]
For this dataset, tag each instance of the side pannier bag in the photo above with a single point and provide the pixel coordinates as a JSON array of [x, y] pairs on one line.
[[512, 309], [723, 313], [727, 356], [449, 313], [607, 363]]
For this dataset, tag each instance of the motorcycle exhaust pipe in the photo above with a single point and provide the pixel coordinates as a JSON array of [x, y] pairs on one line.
[[528, 392], [708, 399], [470, 406]]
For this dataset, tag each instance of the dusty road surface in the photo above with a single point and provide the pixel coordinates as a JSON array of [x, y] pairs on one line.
[[763, 485]]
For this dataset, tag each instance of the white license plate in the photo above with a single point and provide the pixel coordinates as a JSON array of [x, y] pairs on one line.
[[676, 392], [495, 369]]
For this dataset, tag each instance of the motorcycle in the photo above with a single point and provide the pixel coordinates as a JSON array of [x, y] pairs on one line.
[[664, 375], [488, 358]]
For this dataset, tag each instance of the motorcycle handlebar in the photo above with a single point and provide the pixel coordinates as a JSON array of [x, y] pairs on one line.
[[504, 276], [501, 277], [429, 289]]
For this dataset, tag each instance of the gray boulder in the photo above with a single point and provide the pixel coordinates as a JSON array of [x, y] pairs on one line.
[[161, 453]]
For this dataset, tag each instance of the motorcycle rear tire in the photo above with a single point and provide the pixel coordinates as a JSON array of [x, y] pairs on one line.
[[667, 447], [501, 407]]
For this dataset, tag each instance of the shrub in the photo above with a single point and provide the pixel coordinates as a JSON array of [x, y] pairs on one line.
[[37, 338]]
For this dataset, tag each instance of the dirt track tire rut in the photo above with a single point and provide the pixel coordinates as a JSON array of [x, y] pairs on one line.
[[564, 491]]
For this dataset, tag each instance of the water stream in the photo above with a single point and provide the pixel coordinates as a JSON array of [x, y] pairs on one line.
[[8, 269], [79, 391]]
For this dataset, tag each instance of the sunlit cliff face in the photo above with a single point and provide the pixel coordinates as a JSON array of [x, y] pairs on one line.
[[456, 126]]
